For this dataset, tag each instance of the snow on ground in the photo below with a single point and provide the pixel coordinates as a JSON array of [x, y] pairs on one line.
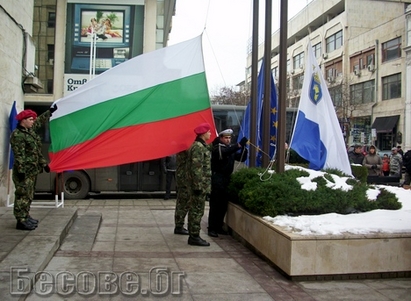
[[382, 221]]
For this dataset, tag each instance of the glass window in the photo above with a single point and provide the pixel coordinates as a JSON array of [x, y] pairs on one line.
[[50, 52], [298, 60], [362, 93], [336, 95], [408, 30], [51, 22], [275, 72], [370, 59], [50, 84], [391, 86], [298, 81], [334, 42], [317, 50], [391, 50]]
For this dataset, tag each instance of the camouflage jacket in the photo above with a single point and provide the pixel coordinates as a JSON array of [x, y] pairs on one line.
[[182, 178], [26, 145], [200, 166]]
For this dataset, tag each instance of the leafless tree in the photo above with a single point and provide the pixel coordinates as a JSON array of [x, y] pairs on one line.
[[228, 96]]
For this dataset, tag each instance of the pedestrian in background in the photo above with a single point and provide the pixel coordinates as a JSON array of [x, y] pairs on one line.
[[199, 170], [223, 156], [169, 168], [385, 165], [373, 162], [407, 165], [28, 163], [395, 163], [356, 156], [183, 194]]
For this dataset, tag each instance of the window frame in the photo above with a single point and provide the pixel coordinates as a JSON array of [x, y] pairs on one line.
[[391, 50], [388, 84], [334, 41]]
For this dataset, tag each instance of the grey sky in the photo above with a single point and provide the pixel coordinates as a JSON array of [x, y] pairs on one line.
[[228, 27]]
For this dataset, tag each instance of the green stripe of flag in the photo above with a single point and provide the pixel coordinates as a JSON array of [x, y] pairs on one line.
[[160, 102]]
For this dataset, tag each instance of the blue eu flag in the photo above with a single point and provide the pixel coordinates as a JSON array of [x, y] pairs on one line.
[[245, 127]]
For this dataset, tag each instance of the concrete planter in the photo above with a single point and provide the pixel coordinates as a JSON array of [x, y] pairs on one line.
[[315, 256]]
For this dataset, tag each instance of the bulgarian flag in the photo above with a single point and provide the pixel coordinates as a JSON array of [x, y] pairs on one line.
[[143, 109]]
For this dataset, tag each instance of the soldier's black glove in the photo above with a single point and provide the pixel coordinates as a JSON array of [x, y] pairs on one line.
[[374, 166], [47, 168], [20, 176], [243, 141], [197, 192], [53, 109], [208, 197]]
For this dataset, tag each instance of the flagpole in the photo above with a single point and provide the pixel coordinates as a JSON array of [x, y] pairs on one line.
[[254, 100], [91, 54], [267, 84], [282, 94]]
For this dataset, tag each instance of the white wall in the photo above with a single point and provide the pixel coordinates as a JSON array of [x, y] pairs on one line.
[[11, 71]]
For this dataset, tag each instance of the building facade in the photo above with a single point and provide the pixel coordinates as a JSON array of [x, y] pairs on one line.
[[16, 65], [46, 49], [362, 47]]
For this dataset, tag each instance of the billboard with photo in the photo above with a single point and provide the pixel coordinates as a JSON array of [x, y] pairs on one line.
[[112, 26]]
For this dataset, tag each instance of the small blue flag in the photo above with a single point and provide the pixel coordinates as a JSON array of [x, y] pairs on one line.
[[12, 125]]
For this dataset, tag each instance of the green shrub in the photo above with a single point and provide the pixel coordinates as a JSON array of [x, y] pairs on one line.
[[282, 194], [360, 173], [294, 157]]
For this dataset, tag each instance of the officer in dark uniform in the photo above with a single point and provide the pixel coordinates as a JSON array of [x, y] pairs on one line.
[[199, 171], [28, 163], [169, 167], [223, 156]]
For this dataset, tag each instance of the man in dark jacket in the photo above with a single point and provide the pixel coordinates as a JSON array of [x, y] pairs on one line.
[[407, 164], [356, 156], [169, 168], [223, 156]]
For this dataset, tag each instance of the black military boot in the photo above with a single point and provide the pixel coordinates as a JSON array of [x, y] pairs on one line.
[[25, 225], [32, 220], [197, 241], [181, 231]]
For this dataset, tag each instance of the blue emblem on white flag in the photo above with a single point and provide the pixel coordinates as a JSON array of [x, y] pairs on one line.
[[316, 93]]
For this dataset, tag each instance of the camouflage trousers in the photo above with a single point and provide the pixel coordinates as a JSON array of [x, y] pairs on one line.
[[195, 213], [182, 202], [23, 196]]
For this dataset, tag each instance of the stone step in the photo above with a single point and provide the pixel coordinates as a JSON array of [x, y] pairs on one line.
[[25, 253], [83, 233]]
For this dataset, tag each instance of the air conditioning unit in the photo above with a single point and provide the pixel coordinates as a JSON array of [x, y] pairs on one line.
[[325, 56], [330, 79], [371, 67], [32, 84], [357, 72], [51, 62]]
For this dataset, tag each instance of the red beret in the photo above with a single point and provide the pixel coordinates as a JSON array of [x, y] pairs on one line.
[[26, 114], [202, 128]]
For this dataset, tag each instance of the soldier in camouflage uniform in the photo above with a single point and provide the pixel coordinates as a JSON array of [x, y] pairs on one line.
[[28, 163], [183, 195], [199, 171]]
